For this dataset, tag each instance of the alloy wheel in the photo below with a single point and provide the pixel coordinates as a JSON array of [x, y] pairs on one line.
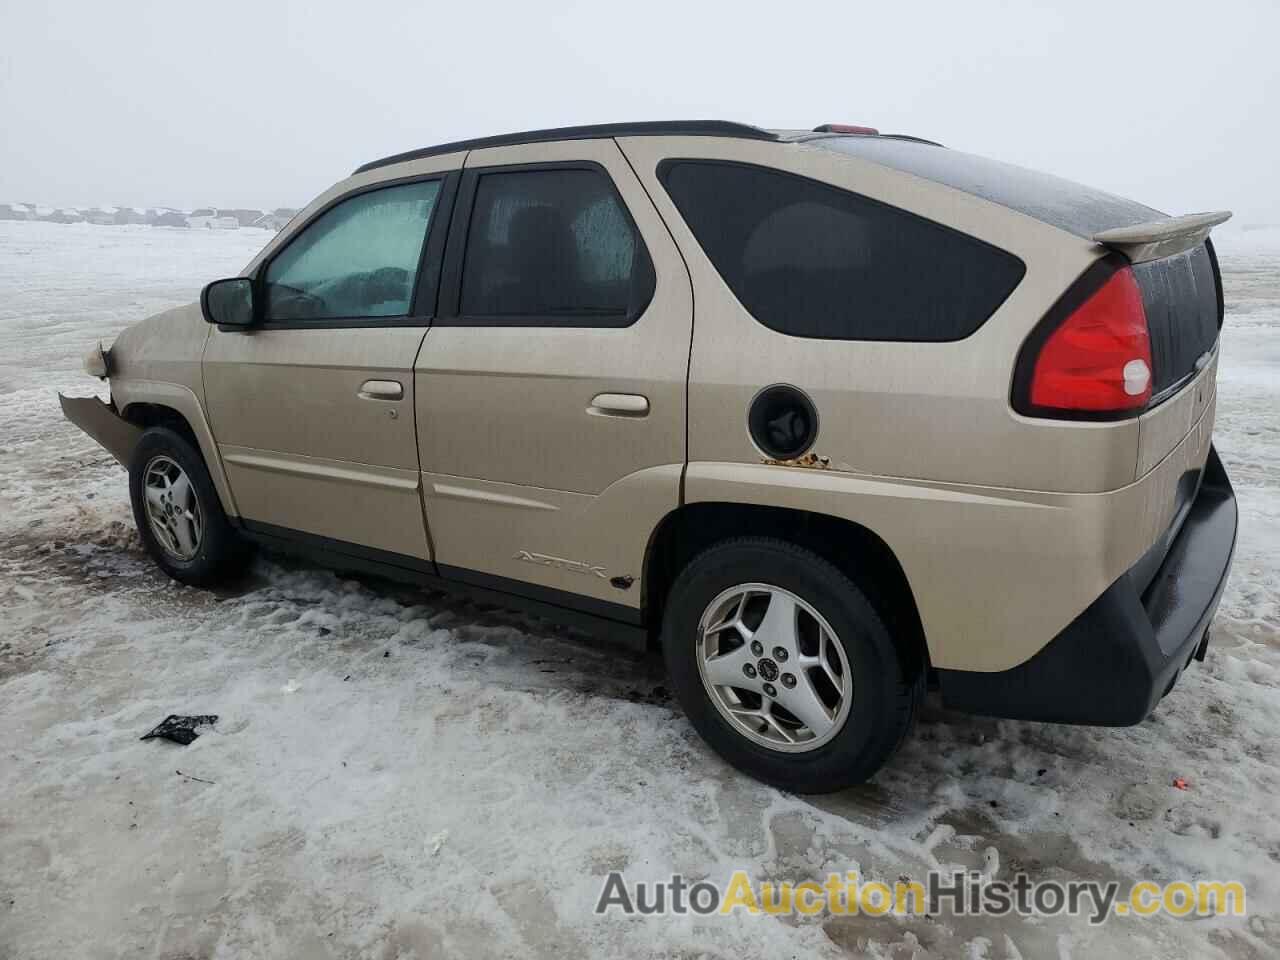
[[773, 667], [173, 509]]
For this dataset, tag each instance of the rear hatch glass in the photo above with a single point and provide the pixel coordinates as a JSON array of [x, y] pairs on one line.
[[1181, 294], [1064, 204]]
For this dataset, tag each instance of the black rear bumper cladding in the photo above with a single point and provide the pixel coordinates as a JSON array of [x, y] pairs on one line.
[[1115, 661]]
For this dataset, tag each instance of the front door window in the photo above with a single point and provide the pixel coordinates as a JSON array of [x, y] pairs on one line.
[[359, 259]]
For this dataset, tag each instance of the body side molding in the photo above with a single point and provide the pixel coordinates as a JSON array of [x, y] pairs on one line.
[[311, 467]]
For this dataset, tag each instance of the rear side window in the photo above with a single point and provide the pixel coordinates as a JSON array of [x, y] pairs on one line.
[[553, 247], [811, 260]]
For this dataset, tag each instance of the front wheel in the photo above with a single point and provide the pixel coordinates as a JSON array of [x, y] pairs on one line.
[[179, 516], [785, 668]]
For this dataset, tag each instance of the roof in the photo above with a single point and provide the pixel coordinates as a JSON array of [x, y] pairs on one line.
[[644, 128]]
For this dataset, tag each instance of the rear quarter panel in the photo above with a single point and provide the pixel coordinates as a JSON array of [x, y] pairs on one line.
[[933, 411], [996, 573], [1007, 527]]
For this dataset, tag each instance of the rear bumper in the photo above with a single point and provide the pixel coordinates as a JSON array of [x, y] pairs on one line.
[[1115, 661], [115, 434]]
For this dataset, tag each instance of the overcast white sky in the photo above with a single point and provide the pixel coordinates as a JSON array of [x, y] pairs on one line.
[[264, 104]]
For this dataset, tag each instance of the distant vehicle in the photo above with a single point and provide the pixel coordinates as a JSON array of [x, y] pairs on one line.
[[61, 215], [101, 216], [164, 217], [210, 219], [824, 413], [244, 216], [276, 220], [126, 216], [17, 211]]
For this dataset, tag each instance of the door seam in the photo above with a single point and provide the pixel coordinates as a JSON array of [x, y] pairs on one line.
[[693, 317]]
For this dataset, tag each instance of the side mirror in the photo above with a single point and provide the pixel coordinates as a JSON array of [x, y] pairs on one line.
[[228, 303]]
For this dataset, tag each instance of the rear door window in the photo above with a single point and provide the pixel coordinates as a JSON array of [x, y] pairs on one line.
[[811, 260], [552, 247]]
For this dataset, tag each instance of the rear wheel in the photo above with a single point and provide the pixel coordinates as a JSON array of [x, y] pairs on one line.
[[178, 514], [784, 667]]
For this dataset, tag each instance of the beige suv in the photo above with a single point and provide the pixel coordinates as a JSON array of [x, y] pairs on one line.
[[828, 414]]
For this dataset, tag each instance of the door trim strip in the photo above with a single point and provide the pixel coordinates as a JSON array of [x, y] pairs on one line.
[[452, 492], [322, 470]]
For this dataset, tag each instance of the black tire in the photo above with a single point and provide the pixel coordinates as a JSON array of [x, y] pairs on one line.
[[887, 690], [221, 554]]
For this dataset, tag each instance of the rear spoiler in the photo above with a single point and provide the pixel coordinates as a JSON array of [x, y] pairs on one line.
[[1162, 238]]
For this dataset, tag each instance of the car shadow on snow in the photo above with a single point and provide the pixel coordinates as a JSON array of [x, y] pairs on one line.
[[550, 653]]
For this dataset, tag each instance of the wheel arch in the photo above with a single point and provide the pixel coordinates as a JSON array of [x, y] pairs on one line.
[[148, 415], [856, 550], [152, 404]]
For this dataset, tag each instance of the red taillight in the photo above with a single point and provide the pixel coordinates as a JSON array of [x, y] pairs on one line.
[[1097, 360]]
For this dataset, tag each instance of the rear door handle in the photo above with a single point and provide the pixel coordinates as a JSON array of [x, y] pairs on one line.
[[381, 390], [619, 405]]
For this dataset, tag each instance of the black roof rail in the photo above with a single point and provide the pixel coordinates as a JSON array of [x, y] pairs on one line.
[[643, 128]]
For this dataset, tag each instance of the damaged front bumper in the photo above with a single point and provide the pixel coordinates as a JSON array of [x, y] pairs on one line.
[[99, 420], [1117, 659]]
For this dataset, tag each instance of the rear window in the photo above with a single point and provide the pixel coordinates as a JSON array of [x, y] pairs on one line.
[[1068, 206], [811, 260], [1180, 298]]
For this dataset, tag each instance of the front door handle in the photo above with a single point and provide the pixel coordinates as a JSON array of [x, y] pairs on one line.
[[619, 405], [381, 390]]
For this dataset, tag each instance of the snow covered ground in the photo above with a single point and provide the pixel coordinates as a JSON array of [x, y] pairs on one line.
[[396, 774]]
